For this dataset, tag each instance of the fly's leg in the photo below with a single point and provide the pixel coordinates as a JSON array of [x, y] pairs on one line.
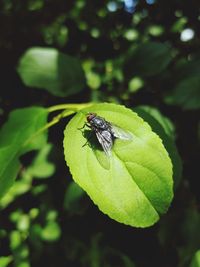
[[84, 125]]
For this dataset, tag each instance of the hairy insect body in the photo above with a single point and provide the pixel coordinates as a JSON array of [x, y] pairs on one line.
[[105, 131], [100, 124]]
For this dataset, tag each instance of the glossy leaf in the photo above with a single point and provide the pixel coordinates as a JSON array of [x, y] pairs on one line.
[[46, 68], [165, 129], [16, 139], [134, 185]]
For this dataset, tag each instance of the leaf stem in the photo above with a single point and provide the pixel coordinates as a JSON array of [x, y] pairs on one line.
[[74, 107], [69, 109], [55, 120]]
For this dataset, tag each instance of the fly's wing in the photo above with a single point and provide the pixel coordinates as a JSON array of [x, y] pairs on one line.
[[120, 133], [105, 139]]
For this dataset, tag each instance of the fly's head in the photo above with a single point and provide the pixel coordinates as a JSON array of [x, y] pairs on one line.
[[90, 116]]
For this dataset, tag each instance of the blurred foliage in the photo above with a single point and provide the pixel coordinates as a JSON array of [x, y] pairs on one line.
[[137, 53], [45, 68], [196, 260], [16, 139]]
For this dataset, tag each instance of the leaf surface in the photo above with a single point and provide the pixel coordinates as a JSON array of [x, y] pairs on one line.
[[165, 129], [148, 59], [186, 94], [134, 185], [46, 68], [22, 124], [196, 260]]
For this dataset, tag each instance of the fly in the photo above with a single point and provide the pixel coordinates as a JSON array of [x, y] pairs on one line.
[[105, 131]]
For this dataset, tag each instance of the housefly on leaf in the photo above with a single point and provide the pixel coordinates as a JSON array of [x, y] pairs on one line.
[[105, 131]]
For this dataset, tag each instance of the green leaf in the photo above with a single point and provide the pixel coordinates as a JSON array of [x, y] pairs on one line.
[[134, 185], [4, 261], [21, 125], [186, 68], [41, 167], [15, 239], [46, 68], [15, 140], [186, 93], [163, 121], [190, 234], [51, 232], [73, 197], [135, 84], [121, 258], [196, 260], [10, 166], [21, 186], [165, 129], [179, 24], [23, 223], [148, 59]]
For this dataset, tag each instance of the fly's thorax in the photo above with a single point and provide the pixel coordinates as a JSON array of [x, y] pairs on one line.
[[106, 132], [99, 123]]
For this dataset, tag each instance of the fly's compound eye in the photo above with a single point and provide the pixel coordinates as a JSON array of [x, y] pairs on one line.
[[90, 116]]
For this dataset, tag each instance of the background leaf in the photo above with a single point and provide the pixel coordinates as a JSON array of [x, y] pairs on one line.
[[165, 129], [5, 261], [41, 167], [19, 128], [46, 68], [10, 166], [73, 199], [148, 59], [21, 125], [186, 93], [186, 88], [136, 186], [196, 260], [163, 121]]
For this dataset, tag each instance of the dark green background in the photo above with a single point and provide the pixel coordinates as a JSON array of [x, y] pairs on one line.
[[79, 234]]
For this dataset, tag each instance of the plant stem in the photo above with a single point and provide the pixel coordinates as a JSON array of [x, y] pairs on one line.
[[74, 107], [69, 109], [55, 120]]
